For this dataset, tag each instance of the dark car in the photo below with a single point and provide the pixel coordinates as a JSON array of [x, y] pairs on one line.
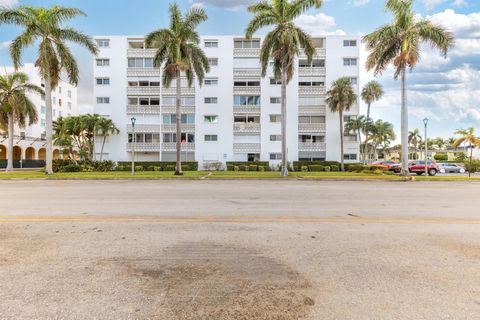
[[418, 167]]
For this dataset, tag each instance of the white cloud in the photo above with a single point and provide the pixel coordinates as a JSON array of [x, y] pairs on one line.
[[226, 4], [359, 3], [4, 45], [198, 5], [319, 24], [462, 25], [430, 4], [8, 3]]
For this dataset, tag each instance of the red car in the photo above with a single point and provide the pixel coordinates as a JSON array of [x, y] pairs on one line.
[[389, 165], [418, 167]]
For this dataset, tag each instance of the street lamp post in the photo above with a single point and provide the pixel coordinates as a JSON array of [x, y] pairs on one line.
[[425, 122], [134, 139]]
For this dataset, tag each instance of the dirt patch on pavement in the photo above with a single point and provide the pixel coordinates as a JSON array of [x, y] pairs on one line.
[[209, 281], [468, 250]]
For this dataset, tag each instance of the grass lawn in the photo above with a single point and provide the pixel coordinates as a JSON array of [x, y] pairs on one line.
[[224, 175]]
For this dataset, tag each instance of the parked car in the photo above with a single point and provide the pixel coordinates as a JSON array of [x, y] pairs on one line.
[[389, 165], [418, 167], [450, 168]]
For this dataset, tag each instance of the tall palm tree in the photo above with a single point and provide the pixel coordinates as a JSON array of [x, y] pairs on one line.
[[282, 45], [414, 139], [16, 107], [371, 92], [468, 137], [340, 98], [179, 52], [357, 125], [383, 136], [399, 44], [105, 127], [45, 27]]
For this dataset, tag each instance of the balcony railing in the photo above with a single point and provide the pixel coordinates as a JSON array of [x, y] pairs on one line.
[[140, 53], [311, 71], [183, 109], [311, 90], [171, 146], [252, 52], [319, 52], [246, 72], [246, 147], [247, 109], [185, 91], [246, 90], [144, 128], [173, 127], [321, 110], [143, 109], [311, 127], [143, 146], [143, 72], [312, 146], [143, 91], [246, 127]]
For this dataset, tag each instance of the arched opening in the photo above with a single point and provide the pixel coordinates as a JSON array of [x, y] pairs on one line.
[[17, 153], [42, 154], [3, 152], [56, 154], [30, 153], [75, 155]]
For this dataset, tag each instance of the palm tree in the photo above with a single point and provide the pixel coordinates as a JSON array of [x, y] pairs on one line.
[[467, 136], [16, 107], [44, 26], [399, 44], [384, 134], [282, 45], [105, 127], [371, 92], [179, 52], [357, 125], [414, 139], [61, 135], [341, 97]]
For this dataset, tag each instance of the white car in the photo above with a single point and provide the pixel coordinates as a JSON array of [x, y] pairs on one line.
[[450, 168]]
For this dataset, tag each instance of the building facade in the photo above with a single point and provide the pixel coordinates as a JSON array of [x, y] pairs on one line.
[[29, 142], [235, 114]]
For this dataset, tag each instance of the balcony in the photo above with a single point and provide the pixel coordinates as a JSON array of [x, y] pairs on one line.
[[143, 109], [151, 91], [144, 146], [250, 53], [183, 109], [144, 128], [308, 110], [246, 90], [246, 109], [311, 127], [311, 90], [190, 128], [246, 147], [311, 71], [141, 53], [319, 52], [143, 72], [241, 127], [247, 72], [312, 146], [186, 91], [171, 146]]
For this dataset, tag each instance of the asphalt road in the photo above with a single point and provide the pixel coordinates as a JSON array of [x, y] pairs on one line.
[[239, 250]]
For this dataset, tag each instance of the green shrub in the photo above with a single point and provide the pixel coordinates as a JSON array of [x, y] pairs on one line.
[[230, 167], [120, 168], [138, 168], [236, 168], [156, 168], [71, 168], [460, 156], [334, 168], [169, 168], [297, 165], [252, 168], [357, 168], [441, 157], [247, 163], [150, 168], [261, 168], [213, 166], [192, 165], [326, 168], [474, 167], [304, 168], [185, 167], [316, 168]]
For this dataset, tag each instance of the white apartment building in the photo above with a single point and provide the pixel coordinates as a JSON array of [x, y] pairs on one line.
[[29, 142], [235, 114]]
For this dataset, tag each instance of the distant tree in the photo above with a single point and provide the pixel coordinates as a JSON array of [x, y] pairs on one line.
[[467, 136], [371, 92], [105, 127]]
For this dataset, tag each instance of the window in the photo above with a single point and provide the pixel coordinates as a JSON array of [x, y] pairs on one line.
[[143, 83], [311, 101], [186, 119], [54, 112], [311, 119], [318, 43], [43, 109], [350, 156], [103, 62], [43, 122], [275, 81], [275, 137], [70, 105], [211, 82], [140, 62], [184, 101], [211, 100], [246, 119], [349, 43], [43, 97], [311, 83], [103, 100], [275, 156], [145, 137], [143, 101], [317, 63], [246, 83], [213, 62], [349, 61], [211, 137], [210, 119], [275, 100], [103, 43], [103, 81], [246, 44], [54, 100], [172, 137], [59, 102], [246, 100], [275, 118], [60, 90], [246, 63], [309, 138], [69, 93], [353, 81], [211, 43]]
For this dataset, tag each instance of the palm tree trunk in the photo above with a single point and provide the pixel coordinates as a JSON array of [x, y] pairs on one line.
[[404, 133], [368, 110], [178, 169], [360, 141], [48, 127], [103, 145], [284, 170], [471, 157], [10, 144], [342, 165]]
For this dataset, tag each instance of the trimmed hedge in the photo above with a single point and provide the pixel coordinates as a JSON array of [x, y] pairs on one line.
[[186, 165], [297, 165], [82, 166], [247, 165]]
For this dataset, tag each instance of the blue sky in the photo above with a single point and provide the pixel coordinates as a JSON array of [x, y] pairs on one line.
[[445, 90]]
